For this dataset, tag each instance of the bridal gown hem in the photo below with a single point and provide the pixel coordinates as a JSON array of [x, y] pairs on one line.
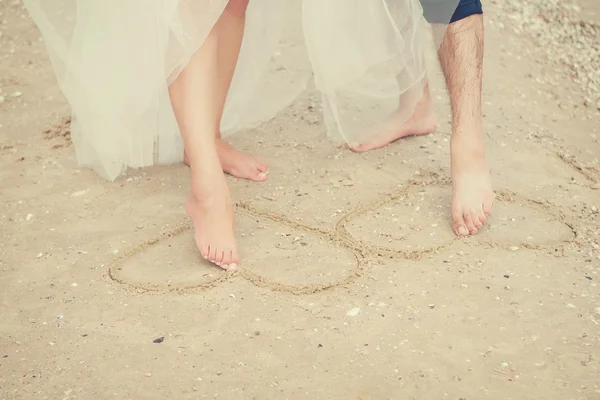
[[114, 61]]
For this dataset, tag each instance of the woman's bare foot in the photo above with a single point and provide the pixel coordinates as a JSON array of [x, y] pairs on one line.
[[211, 210], [238, 164], [472, 193], [422, 122]]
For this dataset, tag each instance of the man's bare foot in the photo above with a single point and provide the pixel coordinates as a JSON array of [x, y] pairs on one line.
[[422, 122], [238, 164], [211, 210], [472, 193]]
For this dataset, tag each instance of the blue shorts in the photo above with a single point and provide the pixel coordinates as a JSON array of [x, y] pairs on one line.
[[437, 11]]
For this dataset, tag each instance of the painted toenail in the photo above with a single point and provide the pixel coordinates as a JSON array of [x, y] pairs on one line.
[[233, 266], [462, 230]]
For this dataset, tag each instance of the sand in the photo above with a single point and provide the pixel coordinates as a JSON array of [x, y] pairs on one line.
[[353, 285]]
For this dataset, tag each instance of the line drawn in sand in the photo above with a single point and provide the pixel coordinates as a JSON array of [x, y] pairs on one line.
[[590, 172], [341, 237]]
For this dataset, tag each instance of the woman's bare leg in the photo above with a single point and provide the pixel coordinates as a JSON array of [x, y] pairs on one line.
[[194, 96], [230, 32]]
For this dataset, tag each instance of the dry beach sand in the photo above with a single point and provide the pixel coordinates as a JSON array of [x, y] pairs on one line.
[[353, 285]]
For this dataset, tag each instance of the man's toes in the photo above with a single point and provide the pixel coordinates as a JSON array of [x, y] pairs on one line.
[[230, 260], [205, 251], [219, 256], [235, 260], [226, 260], [212, 254]]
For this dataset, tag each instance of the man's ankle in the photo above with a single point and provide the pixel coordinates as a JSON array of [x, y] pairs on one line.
[[468, 140]]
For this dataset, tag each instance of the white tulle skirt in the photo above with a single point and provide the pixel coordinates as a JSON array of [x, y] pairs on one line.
[[114, 60]]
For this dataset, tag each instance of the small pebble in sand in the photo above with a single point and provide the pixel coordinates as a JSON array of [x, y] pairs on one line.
[[40, 255], [148, 374], [353, 312], [79, 193], [28, 217], [73, 284]]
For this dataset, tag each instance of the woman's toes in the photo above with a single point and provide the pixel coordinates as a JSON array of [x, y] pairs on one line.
[[476, 220]]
